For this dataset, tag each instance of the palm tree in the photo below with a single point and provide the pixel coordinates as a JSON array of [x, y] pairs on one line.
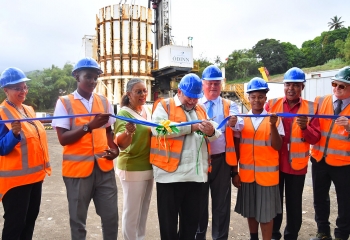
[[335, 23], [217, 60]]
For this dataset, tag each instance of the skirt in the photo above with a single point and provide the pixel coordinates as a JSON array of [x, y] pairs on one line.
[[259, 202]]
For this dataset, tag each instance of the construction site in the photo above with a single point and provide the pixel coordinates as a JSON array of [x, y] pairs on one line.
[[135, 41]]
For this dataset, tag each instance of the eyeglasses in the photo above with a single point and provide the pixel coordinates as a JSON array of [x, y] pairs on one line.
[[140, 92], [18, 89], [340, 86]]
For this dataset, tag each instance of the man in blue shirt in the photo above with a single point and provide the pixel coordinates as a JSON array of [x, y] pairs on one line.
[[222, 162]]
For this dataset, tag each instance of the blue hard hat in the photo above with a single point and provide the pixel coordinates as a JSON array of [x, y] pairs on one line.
[[212, 72], [12, 76], [294, 75], [191, 86], [257, 84], [87, 62]]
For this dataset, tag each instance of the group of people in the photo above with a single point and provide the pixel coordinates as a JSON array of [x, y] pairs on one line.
[[263, 155]]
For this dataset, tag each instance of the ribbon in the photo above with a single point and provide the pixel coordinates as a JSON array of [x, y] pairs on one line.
[[152, 124]]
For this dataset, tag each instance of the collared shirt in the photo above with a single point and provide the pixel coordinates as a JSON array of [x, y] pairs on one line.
[[257, 120], [193, 166], [60, 110], [218, 146], [335, 103], [311, 134]]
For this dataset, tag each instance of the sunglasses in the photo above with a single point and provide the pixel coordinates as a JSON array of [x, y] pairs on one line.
[[340, 86]]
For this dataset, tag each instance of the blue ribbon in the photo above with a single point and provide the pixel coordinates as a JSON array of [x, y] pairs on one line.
[[151, 124]]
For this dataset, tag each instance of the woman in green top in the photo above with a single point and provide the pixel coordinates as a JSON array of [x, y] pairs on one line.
[[133, 165]]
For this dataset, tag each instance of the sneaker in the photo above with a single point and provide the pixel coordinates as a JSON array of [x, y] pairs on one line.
[[322, 236]]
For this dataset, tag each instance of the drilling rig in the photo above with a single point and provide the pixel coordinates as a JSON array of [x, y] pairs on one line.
[[135, 41]]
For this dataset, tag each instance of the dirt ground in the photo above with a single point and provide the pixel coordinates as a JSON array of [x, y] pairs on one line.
[[53, 220]]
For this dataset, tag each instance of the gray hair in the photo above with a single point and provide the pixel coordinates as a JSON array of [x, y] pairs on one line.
[[132, 82], [129, 86]]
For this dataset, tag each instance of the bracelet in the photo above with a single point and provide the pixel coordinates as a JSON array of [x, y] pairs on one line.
[[233, 174]]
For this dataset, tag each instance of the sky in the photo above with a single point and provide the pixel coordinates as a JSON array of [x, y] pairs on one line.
[[37, 34]]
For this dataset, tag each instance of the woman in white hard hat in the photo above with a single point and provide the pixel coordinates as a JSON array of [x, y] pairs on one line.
[[24, 160]]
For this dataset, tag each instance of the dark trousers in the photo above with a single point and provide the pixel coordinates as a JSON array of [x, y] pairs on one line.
[[322, 176], [219, 182], [178, 200], [293, 186], [21, 208]]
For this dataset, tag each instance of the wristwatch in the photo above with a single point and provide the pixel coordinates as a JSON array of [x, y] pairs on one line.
[[233, 174], [86, 128]]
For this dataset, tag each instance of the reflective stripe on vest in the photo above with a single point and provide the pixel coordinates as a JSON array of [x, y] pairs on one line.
[[79, 157], [334, 142], [299, 149], [231, 158], [168, 159], [27, 162], [260, 161]]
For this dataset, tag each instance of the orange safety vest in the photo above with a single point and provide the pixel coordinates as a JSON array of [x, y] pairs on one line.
[[28, 162], [79, 157], [168, 158], [334, 142], [259, 161], [299, 149], [231, 157]]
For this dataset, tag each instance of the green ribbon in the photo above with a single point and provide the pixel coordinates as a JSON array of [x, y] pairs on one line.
[[200, 146]]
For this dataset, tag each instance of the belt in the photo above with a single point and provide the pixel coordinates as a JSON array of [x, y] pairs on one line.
[[218, 155]]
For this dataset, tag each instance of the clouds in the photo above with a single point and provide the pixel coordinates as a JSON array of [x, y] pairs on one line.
[[38, 33]]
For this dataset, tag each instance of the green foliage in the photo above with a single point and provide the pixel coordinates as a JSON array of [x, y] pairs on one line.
[[323, 48], [312, 50], [45, 85], [339, 45], [240, 64], [203, 63], [295, 57], [347, 49], [328, 42], [272, 54]]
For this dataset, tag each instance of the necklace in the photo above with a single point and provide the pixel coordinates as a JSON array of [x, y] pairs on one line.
[[22, 111], [138, 112]]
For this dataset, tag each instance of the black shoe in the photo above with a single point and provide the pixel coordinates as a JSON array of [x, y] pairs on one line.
[[322, 236]]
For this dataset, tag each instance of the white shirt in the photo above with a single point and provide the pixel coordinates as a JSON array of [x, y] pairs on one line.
[[187, 169], [60, 110], [257, 120], [219, 146]]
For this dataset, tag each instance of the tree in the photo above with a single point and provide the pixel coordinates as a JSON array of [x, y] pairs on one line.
[[295, 56], [328, 42], [217, 60], [240, 64], [272, 54], [347, 49], [203, 63], [335, 23]]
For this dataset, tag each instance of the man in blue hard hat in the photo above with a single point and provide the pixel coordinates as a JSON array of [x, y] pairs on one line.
[[180, 159], [300, 132], [88, 152], [223, 158], [330, 159]]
